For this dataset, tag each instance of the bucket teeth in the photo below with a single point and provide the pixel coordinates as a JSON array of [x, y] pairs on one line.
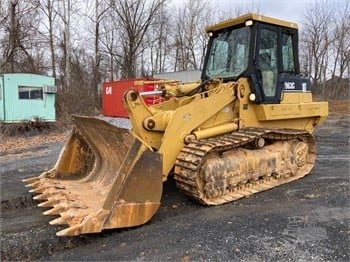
[[34, 184], [43, 196], [59, 221], [49, 203], [41, 189], [56, 210], [97, 179], [70, 231], [31, 179]]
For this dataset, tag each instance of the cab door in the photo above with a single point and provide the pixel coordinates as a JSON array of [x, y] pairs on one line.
[[267, 61]]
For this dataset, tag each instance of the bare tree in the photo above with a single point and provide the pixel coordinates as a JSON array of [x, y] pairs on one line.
[[340, 48], [316, 38], [13, 35], [100, 10], [64, 11], [238, 10], [134, 18], [341, 43], [66, 20], [325, 45], [156, 48], [189, 46], [20, 37], [47, 7], [109, 44]]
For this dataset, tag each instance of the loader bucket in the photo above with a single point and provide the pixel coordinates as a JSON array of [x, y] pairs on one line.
[[104, 178]]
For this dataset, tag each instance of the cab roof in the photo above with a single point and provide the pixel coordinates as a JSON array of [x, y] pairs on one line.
[[250, 16]]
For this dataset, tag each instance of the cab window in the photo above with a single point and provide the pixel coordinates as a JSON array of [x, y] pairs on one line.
[[229, 53], [287, 53], [268, 61]]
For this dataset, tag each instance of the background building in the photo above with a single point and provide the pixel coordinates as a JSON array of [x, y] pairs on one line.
[[25, 97], [184, 76]]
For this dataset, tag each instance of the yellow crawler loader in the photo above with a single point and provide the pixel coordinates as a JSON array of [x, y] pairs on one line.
[[244, 128]]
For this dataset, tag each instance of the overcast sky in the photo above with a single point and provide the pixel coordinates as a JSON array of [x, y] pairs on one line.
[[291, 10]]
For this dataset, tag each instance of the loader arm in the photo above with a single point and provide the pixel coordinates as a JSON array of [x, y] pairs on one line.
[[165, 131]]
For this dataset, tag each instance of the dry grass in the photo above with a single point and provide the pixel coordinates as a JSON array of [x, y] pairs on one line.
[[19, 142], [23, 135], [25, 127], [339, 108]]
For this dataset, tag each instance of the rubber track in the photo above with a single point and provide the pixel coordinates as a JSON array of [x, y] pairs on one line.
[[192, 156]]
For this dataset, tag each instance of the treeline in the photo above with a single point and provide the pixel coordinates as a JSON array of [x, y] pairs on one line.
[[325, 47], [103, 39], [83, 43]]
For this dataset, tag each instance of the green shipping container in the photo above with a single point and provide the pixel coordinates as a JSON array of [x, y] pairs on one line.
[[25, 97]]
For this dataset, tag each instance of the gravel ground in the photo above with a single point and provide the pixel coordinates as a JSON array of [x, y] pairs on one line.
[[307, 220]]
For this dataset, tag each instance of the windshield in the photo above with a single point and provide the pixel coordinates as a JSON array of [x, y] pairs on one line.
[[228, 55]]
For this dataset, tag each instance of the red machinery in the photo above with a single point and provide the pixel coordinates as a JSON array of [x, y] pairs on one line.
[[113, 92]]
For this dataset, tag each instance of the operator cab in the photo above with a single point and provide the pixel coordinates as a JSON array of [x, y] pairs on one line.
[[261, 48]]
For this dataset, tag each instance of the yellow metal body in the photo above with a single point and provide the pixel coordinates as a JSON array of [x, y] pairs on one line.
[[253, 17], [223, 108], [109, 177]]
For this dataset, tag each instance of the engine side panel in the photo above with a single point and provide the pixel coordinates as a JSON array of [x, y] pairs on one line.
[[296, 110]]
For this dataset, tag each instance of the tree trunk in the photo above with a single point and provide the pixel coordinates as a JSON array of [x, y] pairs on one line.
[[13, 35], [67, 40], [52, 49]]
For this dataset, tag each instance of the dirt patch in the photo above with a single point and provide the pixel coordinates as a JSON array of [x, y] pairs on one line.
[[15, 144], [20, 153], [339, 108]]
